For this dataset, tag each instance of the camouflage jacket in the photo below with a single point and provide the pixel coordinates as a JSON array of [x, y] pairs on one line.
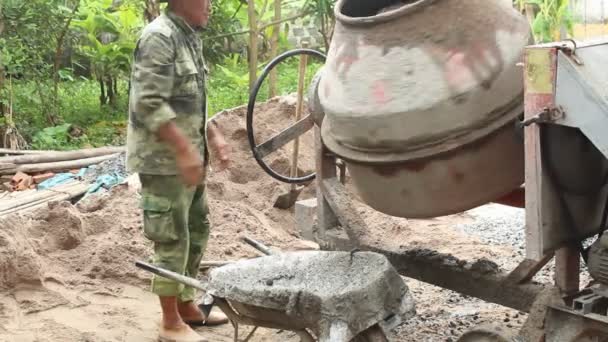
[[168, 82]]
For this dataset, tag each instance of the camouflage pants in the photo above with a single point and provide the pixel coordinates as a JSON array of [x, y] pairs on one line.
[[175, 219]]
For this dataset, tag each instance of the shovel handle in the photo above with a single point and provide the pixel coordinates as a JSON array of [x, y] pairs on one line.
[[171, 275]]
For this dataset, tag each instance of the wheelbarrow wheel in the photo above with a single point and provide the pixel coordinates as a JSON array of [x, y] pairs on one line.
[[372, 334]]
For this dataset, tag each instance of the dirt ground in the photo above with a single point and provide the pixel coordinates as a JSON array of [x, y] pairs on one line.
[[67, 271]]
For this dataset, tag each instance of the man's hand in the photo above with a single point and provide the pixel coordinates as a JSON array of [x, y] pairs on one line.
[[190, 166], [218, 144], [188, 159]]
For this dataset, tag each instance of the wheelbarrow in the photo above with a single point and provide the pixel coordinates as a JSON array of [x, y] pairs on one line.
[[321, 296]]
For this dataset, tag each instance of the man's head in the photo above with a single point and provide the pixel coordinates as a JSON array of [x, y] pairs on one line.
[[195, 12]]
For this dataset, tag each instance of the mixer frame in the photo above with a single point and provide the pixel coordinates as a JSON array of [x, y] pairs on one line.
[[557, 85]]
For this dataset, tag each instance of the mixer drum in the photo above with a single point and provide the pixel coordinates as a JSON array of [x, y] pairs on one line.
[[420, 100]]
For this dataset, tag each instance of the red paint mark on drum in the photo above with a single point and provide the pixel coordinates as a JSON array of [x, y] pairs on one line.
[[379, 92], [346, 61]]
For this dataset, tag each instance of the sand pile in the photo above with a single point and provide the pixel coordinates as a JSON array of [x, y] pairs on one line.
[[100, 237]]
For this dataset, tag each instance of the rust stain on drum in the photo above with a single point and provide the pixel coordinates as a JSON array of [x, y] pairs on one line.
[[391, 170]]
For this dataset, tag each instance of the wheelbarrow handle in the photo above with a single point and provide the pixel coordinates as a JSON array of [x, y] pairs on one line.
[[258, 245], [171, 275]]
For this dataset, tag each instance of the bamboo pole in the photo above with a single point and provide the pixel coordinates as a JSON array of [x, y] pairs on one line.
[[61, 156], [22, 152], [57, 166], [260, 28], [253, 43], [274, 48]]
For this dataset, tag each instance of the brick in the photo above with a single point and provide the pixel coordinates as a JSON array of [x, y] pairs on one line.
[[305, 213]]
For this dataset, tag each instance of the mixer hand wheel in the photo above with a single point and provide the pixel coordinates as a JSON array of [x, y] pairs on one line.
[[296, 130]]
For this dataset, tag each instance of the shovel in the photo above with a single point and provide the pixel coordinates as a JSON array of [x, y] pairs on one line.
[[206, 306], [287, 200]]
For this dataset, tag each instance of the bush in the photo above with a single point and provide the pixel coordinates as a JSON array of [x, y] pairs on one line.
[[87, 124]]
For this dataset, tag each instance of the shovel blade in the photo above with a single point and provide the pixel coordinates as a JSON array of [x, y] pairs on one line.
[[288, 200]]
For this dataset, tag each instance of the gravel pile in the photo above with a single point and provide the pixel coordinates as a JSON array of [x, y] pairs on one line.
[[115, 167], [497, 224]]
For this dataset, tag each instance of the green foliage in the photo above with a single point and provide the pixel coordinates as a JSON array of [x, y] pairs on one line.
[[552, 16], [27, 47], [101, 35], [120, 25], [56, 137], [229, 85], [80, 107], [224, 19], [104, 126]]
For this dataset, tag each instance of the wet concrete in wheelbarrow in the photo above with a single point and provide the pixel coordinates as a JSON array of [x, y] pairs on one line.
[[336, 294]]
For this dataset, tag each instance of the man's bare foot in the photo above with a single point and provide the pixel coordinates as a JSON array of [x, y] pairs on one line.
[[179, 333], [191, 314]]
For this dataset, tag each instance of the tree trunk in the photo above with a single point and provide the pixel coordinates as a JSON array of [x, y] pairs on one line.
[[58, 53], [2, 100], [274, 47], [102, 94], [152, 10], [110, 91]]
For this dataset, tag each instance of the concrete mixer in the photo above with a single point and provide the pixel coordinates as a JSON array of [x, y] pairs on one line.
[[440, 106]]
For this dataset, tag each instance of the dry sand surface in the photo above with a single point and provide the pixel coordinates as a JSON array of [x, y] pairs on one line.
[[67, 271]]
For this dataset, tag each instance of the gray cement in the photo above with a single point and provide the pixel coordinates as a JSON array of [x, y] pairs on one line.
[[336, 294]]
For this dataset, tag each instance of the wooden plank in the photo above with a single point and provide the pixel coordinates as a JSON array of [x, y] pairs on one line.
[[468, 277], [72, 188], [340, 202], [281, 139], [527, 269], [75, 191]]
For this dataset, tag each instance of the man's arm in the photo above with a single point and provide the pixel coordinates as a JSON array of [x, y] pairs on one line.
[[154, 77], [218, 143]]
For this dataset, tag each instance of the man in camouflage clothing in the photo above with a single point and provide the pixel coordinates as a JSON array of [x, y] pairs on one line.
[[167, 142]]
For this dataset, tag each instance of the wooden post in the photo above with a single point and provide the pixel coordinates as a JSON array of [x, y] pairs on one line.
[[539, 83], [299, 109], [567, 270], [325, 169], [530, 12], [274, 48], [253, 43], [2, 109]]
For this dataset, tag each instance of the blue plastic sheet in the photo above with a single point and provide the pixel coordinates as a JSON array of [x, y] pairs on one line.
[[105, 181], [58, 179]]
